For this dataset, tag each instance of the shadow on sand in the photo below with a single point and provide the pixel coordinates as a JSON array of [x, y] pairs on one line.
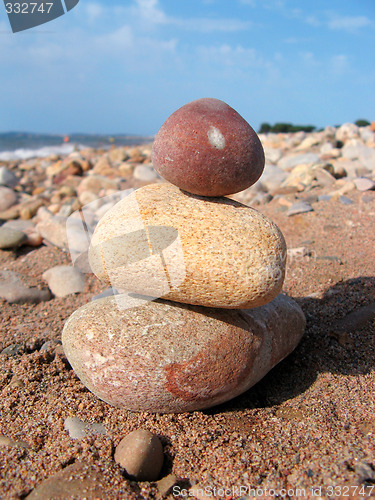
[[339, 338]]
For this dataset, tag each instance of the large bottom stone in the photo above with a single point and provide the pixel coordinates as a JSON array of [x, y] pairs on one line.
[[166, 357]]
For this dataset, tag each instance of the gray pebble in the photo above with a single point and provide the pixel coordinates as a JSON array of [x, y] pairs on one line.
[[345, 200], [50, 345], [312, 198], [299, 208], [261, 198], [324, 197], [11, 238], [272, 177], [365, 472], [368, 197], [15, 292], [19, 224], [13, 350], [78, 429], [7, 178], [292, 160]]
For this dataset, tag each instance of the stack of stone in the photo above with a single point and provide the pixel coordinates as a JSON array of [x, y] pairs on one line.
[[199, 317]]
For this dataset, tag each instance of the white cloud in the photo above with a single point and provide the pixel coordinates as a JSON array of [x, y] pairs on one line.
[[120, 39], [339, 64], [94, 11], [309, 59], [229, 56], [252, 3], [313, 21], [295, 41], [150, 11], [148, 16], [348, 23], [207, 25]]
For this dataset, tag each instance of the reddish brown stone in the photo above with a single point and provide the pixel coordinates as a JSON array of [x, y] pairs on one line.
[[73, 168], [207, 148], [164, 357]]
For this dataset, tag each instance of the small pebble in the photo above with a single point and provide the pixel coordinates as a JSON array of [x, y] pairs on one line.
[[312, 198], [79, 480], [13, 350], [345, 200], [165, 484], [7, 178], [53, 230], [11, 238], [78, 429], [144, 173], [272, 177], [7, 198], [364, 184], [324, 197], [299, 208], [19, 224], [15, 292], [7, 441], [365, 472], [260, 199], [50, 345], [298, 253], [16, 383], [64, 280], [140, 453], [368, 197], [33, 239]]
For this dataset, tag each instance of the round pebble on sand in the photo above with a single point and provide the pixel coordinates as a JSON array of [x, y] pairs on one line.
[[11, 238], [140, 453], [8, 198], [64, 280]]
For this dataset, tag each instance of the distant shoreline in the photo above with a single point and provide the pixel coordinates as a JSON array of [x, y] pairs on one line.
[[24, 145]]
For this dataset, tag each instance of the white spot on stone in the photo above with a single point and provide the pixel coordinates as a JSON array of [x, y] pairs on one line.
[[90, 335], [216, 138]]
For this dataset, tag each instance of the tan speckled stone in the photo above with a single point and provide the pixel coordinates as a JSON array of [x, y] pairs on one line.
[[213, 252], [167, 357]]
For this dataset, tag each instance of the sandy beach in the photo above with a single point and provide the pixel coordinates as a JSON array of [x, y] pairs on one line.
[[305, 430]]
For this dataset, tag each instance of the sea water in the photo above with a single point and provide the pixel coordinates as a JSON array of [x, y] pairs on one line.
[[23, 146]]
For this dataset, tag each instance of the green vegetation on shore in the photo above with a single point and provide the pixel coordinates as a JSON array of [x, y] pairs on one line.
[[283, 128]]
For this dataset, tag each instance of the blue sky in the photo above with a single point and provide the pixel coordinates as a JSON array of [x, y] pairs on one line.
[[125, 66]]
